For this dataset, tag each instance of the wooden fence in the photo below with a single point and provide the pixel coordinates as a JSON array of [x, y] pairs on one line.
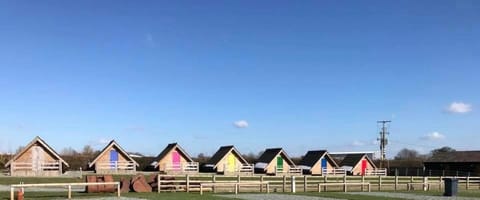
[[67, 185], [309, 183]]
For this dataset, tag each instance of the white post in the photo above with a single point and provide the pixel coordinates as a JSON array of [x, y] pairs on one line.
[[69, 191], [118, 189], [188, 183], [12, 193], [292, 180], [425, 182]]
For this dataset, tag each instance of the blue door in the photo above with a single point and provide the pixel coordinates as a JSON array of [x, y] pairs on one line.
[[113, 158], [324, 163]]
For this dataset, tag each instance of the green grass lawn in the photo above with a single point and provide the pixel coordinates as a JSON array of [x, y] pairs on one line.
[[341, 195], [462, 193], [211, 196]]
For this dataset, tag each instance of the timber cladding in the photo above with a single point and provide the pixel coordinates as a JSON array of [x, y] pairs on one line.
[[227, 159], [318, 160], [359, 163], [273, 160], [172, 156], [36, 159], [113, 159]]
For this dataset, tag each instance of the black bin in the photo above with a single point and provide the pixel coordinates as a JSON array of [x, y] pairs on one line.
[[451, 187]]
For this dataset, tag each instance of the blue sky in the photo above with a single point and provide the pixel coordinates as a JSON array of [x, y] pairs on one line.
[[301, 75]]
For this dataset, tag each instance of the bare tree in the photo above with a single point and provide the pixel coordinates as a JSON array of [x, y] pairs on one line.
[[20, 148], [408, 154], [201, 158], [69, 151], [444, 149], [87, 150]]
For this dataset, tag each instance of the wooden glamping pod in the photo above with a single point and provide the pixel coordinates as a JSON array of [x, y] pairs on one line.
[[360, 164], [174, 160], [275, 161], [227, 160], [320, 163], [113, 160], [36, 159]]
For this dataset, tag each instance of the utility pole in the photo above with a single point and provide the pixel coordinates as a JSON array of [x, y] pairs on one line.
[[383, 140]]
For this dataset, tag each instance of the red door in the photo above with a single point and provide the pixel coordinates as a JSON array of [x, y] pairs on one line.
[[364, 167]]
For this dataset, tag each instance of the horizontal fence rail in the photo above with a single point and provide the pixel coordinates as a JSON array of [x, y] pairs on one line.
[[308, 183], [116, 165], [67, 185], [333, 172], [189, 167]]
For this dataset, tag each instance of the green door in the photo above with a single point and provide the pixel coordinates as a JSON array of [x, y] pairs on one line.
[[279, 163]]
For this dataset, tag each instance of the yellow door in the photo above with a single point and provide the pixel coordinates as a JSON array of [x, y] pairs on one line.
[[231, 163]]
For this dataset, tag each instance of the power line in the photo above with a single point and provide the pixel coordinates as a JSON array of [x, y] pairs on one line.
[[383, 140]]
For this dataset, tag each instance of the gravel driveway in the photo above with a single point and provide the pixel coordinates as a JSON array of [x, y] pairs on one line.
[[411, 196], [274, 197]]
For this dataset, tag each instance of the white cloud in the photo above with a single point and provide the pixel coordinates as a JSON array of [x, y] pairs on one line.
[[99, 142], [459, 107], [240, 124], [433, 136], [357, 143]]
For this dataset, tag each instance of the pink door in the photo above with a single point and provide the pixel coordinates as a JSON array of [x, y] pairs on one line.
[[176, 160]]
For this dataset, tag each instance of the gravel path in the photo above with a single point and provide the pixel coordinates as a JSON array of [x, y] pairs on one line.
[[274, 197], [411, 196]]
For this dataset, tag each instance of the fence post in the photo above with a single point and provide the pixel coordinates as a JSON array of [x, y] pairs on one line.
[[425, 183], [363, 182], [187, 182], [12, 193], [214, 179], [468, 182], [158, 183], [304, 183], [238, 181], [292, 184], [345, 183], [396, 181], [284, 183], [118, 189], [440, 183], [325, 180], [261, 185], [379, 183]]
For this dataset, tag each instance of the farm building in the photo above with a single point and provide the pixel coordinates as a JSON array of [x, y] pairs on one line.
[[113, 159], [358, 164], [275, 161], [173, 159], [319, 163], [228, 160], [36, 159], [455, 163]]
